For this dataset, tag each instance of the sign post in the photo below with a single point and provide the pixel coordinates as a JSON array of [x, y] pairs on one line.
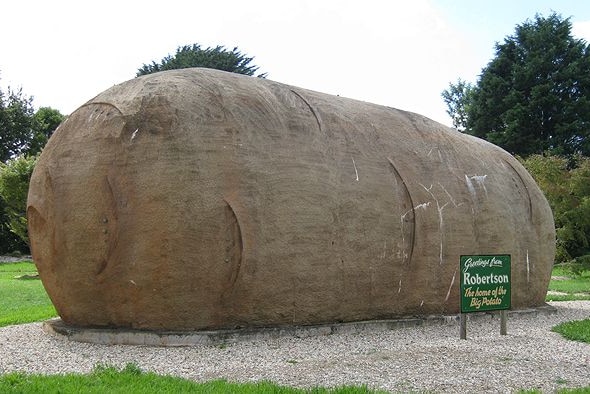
[[485, 286]]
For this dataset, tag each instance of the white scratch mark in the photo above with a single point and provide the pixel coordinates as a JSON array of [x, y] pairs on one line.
[[355, 170], [134, 134], [399, 289], [450, 197], [440, 219], [384, 249], [470, 186], [426, 188], [133, 282], [528, 267], [417, 207], [437, 150], [479, 180], [422, 303], [451, 286], [424, 205], [372, 279]]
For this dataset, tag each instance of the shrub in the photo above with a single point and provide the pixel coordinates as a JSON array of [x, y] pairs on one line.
[[565, 181], [14, 187]]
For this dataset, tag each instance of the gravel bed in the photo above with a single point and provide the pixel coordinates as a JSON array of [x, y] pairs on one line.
[[427, 358], [13, 259]]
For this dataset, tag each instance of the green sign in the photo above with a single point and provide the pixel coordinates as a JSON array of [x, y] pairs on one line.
[[485, 283]]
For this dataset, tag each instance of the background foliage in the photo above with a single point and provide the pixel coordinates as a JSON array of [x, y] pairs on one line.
[[23, 134], [194, 56], [14, 187], [533, 97], [566, 184]]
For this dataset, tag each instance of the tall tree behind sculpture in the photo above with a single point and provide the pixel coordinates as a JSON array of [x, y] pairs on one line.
[[23, 134], [22, 129], [534, 95], [194, 56], [16, 121], [14, 185], [458, 97]]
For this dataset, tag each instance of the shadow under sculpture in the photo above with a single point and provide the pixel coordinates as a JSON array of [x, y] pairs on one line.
[[197, 199]]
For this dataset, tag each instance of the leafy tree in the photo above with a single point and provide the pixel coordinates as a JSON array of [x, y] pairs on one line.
[[16, 120], [194, 56], [457, 98], [22, 130], [14, 186], [9, 241], [23, 134], [534, 95], [45, 122], [566, 184]]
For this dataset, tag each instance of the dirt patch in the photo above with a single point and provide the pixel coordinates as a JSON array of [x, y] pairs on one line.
[[13, 259], [560, 278], [556, 293]]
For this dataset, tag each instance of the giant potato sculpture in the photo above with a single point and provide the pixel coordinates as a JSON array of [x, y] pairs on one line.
[[198, 199]]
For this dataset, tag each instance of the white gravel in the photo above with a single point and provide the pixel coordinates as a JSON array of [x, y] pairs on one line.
[[428, 358]]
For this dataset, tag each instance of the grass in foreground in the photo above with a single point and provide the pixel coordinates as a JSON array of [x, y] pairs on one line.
[[577, 330], [22, 300], [106, 379], [575, 287], [583, 390]]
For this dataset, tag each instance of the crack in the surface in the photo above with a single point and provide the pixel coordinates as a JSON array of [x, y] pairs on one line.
[[238, 245], [413, 210], [317, 118]]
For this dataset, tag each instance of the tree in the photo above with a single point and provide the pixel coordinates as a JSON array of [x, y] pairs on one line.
[[16, 119], [14, 186], [534, 95], [23, 134], [45, 122], [457, 98], [9, 241], [22, 130], [566, 184], [194, 56]]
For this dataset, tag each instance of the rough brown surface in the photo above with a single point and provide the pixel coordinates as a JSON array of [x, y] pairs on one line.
[[198, 199]]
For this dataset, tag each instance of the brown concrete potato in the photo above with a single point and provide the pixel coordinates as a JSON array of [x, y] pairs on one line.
[[198, 199]]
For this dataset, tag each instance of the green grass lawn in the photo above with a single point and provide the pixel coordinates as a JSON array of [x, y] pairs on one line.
[[22, 300], [575, 287], [577, 330], [131, 379]]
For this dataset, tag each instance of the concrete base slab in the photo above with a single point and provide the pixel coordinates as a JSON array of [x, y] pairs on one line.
[[118, 336]]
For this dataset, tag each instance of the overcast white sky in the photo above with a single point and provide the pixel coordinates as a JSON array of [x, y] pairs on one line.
[[396, 53]]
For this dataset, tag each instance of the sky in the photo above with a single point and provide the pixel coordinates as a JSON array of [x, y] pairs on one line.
[[401, 54]]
